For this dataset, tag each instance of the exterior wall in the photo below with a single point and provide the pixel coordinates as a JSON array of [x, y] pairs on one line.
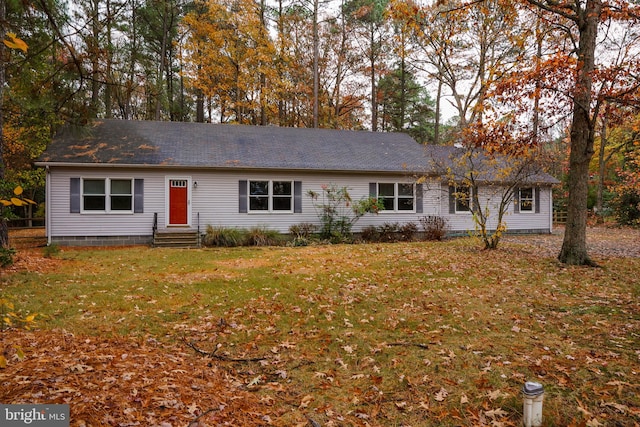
[[517, 222], [213, 200]]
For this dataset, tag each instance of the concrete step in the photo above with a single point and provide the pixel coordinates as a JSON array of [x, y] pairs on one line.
[[176, 239]]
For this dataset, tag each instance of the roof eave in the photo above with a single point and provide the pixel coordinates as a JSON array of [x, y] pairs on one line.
[[217, 168]]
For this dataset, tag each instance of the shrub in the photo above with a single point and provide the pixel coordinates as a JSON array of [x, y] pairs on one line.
[[262, 236], [6, 256], [302, 233], [627, 208], [338, 212], [407, 231], [388, 231], [303, 230], [370, 234], [51, 250], [434, 227], [222, 236]]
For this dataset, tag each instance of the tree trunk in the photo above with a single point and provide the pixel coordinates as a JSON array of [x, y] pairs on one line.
[[316, 54], [436, 126], [4, 231], [374, 92], [574, 246], [601, 170], [108, 88], [94, 50]]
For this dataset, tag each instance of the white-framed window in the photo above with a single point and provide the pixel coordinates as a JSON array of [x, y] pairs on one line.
[[462, 195], [526, 199], [397, 197], [111, 195], [270, 196]]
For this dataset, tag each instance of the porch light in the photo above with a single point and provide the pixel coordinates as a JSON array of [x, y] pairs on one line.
[[195, 184]]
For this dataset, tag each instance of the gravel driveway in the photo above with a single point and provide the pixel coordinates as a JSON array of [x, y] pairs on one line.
[[601, 242]]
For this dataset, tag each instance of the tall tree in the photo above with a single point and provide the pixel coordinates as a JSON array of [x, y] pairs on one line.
[[574, 80], [406, 106], [232, 60], [370, 14]]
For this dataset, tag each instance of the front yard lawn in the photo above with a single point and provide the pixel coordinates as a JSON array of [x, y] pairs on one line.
[[412, 334]]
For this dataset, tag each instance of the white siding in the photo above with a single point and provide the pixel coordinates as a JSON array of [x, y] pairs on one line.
[[215, 201]]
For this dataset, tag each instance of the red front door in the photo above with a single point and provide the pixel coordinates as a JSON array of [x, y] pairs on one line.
[[178, 202]]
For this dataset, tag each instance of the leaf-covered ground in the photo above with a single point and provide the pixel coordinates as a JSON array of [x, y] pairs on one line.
[[421, 334]]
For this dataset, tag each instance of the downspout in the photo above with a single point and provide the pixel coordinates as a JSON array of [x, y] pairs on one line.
[[47, 205], [550, 210]]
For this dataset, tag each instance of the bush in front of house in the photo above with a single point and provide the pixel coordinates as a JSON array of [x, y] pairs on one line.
[[223, 236], [434, 227], [389, 232], [262, 236], [302, 233], [338, 212], [408, 231], [370, 234]]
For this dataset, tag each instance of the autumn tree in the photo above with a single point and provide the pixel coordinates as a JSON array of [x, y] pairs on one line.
[[370, 17], [626, 202], [577, 77], [232, 59]]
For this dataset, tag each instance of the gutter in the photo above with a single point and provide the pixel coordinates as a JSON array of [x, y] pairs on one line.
[[220, 168]]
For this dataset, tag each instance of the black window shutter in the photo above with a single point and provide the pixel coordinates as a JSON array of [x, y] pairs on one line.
[[537, 196], [297, 196], [452, 199], [242, 196], [74, 202], [516, 198], [138, 195], [373, 189], [419, 208]]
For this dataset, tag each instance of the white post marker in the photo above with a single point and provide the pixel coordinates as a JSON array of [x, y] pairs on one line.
[[533, 394]]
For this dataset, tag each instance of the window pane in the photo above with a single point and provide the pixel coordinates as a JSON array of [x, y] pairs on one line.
[[282, 188], [386, 190], [258, 203], [526, 199], [405, 190], [282, 203], [259, 188], [121, 203], [463, 196], [94, 203], [405, 204], [93, 186], [387, 203], [120, 186]]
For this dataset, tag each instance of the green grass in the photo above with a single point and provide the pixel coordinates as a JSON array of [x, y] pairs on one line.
[[384, 334]]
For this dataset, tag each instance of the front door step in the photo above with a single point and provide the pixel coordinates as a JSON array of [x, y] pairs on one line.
[[176, 239]]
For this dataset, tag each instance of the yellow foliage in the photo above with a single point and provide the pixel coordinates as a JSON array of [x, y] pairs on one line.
[[15, 43], [17, 201]]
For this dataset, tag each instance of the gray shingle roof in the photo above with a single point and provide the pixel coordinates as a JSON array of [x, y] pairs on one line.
[[204, 145], [234, 146]]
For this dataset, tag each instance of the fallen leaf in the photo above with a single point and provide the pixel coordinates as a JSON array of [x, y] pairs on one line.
[[495, 413], [305, 401], [441, 395]]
